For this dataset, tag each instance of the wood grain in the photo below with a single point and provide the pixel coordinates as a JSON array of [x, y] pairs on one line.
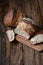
[[29, 43], [16, 54], [28, 55], [7, 52], [21, 53]]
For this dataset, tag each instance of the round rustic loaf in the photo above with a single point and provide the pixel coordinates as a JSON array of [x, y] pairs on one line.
[[8, 18], [12, 18]]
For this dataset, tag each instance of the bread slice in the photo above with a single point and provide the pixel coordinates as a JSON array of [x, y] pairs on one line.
[[38, 38], [10, 35], [22, 33], [25, 30]]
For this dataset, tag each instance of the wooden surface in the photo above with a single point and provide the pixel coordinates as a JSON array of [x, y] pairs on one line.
[[38, 47], [16, 53]]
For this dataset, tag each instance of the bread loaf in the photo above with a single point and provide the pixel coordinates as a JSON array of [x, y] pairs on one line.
[[8, 18], [12, 18], [38, 38], [24, 29], [10, 35]]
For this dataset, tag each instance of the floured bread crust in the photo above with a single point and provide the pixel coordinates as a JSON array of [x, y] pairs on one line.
[[38, 38], [24, 29], [22, 32], [10, 35]]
